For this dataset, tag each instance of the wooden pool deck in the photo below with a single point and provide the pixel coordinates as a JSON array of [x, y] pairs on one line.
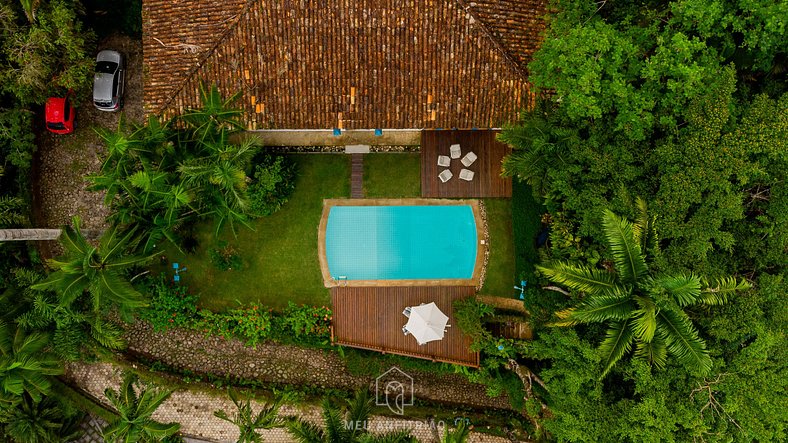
[[487, 180], [371, 318]]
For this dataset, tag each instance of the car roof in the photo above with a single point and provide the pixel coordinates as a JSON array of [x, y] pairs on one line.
[[53, 109], [109, 55]]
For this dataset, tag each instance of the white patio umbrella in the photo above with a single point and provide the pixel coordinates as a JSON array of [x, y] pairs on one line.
[[426, 323]]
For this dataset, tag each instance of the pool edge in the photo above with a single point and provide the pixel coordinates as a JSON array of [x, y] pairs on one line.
[[481, 238]]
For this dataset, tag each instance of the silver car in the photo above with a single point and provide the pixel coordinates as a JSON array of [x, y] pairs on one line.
[[109, 80]]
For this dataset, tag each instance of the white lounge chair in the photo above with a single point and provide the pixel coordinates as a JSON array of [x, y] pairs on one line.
[[466, 174], [469, 158], [406, 312], [445, 175], [444, 160], [454, 151], [405, 330]]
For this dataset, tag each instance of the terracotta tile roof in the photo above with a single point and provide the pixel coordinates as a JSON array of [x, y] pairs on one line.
[[344, 63]]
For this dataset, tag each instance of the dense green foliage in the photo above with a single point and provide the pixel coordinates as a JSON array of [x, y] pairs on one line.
[[162, 180], [639, 305], [46, 54], [172, 305], [684, 103]]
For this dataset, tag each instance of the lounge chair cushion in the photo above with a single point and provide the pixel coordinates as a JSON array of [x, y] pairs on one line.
[[445, 175], [444, 160], [469, 158], [466, 174], [454, 151]]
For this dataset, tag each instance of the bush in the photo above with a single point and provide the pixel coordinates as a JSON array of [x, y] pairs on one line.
[[224, 258], [305, 320], [171, 305], [274, 181]]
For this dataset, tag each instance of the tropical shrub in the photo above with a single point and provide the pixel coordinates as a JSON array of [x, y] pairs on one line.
[[304, 320], [46, 56], [225, 257], [171, 304], [274, 181]]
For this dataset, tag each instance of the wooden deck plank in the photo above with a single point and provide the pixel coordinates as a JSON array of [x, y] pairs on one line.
[[487, 181], [371, 318]]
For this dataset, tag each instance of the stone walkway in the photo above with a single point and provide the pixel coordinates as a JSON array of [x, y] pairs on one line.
[[282, 364], [194, 408]]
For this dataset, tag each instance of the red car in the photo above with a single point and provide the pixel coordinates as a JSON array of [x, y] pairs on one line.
[[59, 115]]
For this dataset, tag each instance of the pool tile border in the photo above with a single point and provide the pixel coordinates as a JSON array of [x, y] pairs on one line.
[[481, 235]]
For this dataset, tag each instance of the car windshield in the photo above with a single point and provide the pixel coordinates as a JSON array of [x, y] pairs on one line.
[[56, 126], [106, 67]]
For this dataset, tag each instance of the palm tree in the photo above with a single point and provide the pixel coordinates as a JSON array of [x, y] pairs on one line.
[[29, 421], [638, 304], [134, 422], [348, 429], [75, 327], [459, 434], [98, 270], [25, 364], [248, 423], [538, 144], [215, 115]]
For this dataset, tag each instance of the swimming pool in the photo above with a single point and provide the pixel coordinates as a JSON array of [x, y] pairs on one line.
[[401, 242]]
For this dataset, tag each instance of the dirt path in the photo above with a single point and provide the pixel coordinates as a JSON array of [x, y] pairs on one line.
[[194, 408]]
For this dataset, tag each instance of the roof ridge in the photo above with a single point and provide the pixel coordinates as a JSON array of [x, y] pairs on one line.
[[207, 54], [498, 45]]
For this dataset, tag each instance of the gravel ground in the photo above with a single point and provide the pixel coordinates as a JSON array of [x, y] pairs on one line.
[[64, 160]]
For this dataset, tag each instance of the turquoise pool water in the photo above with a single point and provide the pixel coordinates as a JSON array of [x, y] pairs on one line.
[[401, 242]]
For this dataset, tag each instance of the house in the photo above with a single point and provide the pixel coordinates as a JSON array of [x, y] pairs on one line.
[[322, 64]]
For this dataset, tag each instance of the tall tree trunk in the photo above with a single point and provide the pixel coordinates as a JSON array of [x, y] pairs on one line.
[[41, 234], [29, 234]]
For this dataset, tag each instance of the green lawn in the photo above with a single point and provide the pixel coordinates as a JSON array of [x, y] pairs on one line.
[[280, 256], [392, 175], [526, 215], [500, 268]]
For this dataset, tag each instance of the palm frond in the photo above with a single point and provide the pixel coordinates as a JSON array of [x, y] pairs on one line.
[[717, 292], [616, 344], [120, 290], [161, 430], [685, 289], [682, 340], [596, 309], [72, 239], [304, 431], [644, 321], [359, 407], [335, 428], [655, 352], [644, 229], [627, 255], [581, 278]]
